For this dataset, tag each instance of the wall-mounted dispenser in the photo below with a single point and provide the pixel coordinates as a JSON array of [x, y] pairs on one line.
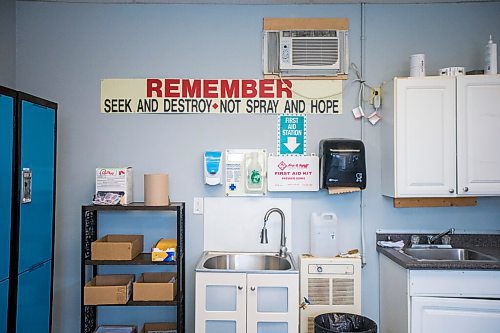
[[246, 172], [253, 170], [342, 163], [212, 165]]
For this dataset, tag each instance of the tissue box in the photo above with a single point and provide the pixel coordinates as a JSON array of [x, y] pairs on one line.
[[164, 250], [117, 247], [155, 287], [115, 180], [159, 328], [108, 289]]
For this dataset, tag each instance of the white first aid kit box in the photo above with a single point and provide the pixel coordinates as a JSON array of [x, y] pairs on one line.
[[293, 173], [115, 180]]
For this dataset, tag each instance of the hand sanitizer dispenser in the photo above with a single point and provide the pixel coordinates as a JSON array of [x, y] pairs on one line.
[[254, 176], [212, 166]]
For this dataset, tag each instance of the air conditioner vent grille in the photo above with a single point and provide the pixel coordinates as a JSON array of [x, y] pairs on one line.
[[315, 52], [342, 292], [310, 33], [310, 325], [318, 291]]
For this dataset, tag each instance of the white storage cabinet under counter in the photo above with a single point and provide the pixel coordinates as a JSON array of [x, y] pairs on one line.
[[243, 285], [436, 301]]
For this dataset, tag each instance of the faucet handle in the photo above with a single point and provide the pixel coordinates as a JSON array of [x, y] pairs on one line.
[[446, 240], [429, 239]]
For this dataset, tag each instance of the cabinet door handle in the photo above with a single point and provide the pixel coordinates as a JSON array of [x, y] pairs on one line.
[[252, 288], [466, 189], [240, 288], [452, 190]]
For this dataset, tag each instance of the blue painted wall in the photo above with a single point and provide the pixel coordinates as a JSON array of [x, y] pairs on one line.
[[8, 43], [64, 50]]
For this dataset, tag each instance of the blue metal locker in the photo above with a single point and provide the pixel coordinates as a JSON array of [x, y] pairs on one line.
[[33, 299], [37, 199], [4, 295], [6, 155], [27, 185]]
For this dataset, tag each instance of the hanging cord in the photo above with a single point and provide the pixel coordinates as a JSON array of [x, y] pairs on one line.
[[362, 84], [309, 97]]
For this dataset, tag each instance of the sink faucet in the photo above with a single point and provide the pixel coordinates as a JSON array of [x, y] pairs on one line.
[[263, 233], [432, 239]]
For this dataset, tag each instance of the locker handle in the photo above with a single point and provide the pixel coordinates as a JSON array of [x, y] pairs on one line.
[[26, 185]]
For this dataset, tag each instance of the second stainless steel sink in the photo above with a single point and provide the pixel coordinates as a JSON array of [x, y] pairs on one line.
[[245, 262], [447, 254]]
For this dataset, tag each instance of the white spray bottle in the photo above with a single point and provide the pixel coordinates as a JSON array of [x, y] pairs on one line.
[[490, 58]]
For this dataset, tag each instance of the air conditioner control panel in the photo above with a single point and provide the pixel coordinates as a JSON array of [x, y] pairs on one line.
[[331, 269], [285, 47]]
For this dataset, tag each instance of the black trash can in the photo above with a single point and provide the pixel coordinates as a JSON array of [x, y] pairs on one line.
[[343, 322]]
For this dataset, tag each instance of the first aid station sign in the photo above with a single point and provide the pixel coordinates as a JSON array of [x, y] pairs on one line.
[[221, 96]]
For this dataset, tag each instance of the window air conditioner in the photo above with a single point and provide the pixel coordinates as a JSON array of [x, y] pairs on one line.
[[305, 52]]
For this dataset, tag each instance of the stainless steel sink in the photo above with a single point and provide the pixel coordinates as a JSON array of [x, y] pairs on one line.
[[245, 262], [447, 254]]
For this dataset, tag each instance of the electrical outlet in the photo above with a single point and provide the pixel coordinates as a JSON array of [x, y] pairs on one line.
[[198, 206], [374, 92]]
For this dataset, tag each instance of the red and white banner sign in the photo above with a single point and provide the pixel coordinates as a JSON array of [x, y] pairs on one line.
[[207, 96]]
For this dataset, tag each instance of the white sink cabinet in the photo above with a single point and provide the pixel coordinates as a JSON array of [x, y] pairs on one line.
[[243, 302], [440, 137], [436, 301]]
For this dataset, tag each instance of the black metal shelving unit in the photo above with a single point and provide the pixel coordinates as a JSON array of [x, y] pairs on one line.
[[89, 234]]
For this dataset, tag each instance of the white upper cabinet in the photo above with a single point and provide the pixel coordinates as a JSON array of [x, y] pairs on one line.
[[439, 136], [478, 135]]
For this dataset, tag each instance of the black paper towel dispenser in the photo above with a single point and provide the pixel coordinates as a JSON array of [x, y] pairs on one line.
[[342, 163]]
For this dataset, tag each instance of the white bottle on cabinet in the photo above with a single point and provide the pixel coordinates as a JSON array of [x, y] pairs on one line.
[[490, 58]]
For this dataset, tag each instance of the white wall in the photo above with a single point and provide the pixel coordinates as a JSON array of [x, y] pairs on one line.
[[8, 43], [64, 50]]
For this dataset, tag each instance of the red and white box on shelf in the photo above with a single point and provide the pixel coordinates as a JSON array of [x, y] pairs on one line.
[[116, 180]]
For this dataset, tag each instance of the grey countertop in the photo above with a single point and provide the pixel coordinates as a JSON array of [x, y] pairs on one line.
[[487, 244]]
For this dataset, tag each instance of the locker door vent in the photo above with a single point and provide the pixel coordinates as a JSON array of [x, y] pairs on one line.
[[318, 291], [342, 291]]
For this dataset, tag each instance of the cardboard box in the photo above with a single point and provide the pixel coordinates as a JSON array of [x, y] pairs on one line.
[[116, 329], [108, 289], [164, 250], [117, 247], [159, 328], [155, 287], [115, 180]]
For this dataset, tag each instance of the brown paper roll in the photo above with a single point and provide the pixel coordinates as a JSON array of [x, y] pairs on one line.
[[340, 190], [156, 190]]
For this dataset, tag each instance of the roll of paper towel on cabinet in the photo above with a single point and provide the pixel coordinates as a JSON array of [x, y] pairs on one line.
[[323, 231]]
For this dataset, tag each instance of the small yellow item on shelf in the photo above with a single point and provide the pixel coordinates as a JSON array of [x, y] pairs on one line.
[[350, 254], [164, 250]]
